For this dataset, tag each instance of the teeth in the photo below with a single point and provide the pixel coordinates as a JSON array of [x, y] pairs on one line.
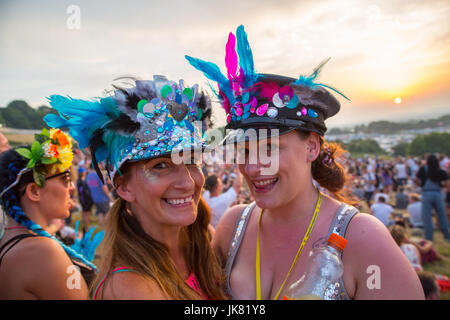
[[264, 182], [179, 201]]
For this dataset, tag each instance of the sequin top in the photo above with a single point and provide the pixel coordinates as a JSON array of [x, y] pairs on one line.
[[339, 226]]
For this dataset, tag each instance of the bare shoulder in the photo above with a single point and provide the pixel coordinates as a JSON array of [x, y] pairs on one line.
[[225, 230], [39, 252], [131, 286], [371, 249], [42, 267]]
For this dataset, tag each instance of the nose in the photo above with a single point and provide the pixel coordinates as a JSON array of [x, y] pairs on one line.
[[184, 180], [71, 188]]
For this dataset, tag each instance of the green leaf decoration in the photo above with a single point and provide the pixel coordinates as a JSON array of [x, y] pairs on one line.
[[31, 163], [45, 133], [24, 153], [200, 114], [39, 177], [36, 149]]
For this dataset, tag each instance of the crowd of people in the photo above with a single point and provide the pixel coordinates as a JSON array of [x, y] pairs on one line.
[[187, 230]]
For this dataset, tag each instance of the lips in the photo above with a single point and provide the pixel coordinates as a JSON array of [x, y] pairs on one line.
[[179, 202], [264, 185]]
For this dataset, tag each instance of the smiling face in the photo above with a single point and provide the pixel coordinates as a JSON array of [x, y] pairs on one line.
[[162, 193], [294, 170]]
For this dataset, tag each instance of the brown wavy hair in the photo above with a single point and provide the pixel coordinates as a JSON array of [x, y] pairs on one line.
[[127, 244], [328, 172]]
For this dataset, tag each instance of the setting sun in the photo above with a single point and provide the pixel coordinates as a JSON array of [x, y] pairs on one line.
[[398, 100]]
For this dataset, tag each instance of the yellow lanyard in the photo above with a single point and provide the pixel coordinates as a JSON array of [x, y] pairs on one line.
[[300, 249]]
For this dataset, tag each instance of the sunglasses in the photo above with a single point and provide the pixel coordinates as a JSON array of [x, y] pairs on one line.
[[67, 177]]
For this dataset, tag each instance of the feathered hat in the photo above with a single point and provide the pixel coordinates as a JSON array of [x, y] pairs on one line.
[[257, 100], [151, 119]]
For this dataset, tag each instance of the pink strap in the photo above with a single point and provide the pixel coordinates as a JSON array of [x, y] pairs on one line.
[[193, 283]]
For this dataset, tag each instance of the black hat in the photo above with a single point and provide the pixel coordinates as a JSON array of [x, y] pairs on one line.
[[257, 100]]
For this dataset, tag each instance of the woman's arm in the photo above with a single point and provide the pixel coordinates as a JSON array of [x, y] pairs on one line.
[[379, 267], [49, 272]]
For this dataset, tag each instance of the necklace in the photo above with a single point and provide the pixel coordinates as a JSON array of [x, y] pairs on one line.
[[299, 251]]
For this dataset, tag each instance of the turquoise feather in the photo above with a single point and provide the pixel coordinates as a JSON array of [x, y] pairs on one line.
[[245, 57], [212, 72]]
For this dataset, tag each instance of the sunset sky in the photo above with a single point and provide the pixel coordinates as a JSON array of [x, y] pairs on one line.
[[380, 50]]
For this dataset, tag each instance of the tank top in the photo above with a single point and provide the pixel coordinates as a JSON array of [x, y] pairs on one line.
[[341, 220]]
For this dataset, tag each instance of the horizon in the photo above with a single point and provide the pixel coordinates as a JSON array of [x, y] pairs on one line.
[[391, 59]]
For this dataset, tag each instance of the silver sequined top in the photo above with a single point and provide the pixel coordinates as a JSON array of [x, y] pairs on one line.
[[339, 226]]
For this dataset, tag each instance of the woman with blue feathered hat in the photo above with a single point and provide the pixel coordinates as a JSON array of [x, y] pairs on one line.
[[147, 137], [264, 246]]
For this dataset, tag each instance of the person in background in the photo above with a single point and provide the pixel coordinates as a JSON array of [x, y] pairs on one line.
[[415, 210], [411, 252], [219, 202], [382, 211], [401, 172], [84, 197], [432, 179], [101, 196], [35, 186], [369, 184], [4, 143], [429, 285], [401, 199]]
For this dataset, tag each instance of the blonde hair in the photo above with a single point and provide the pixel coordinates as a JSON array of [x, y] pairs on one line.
[[127, 244]]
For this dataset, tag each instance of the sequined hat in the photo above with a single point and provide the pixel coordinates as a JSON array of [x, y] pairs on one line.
[[151, 119], [258, 100]]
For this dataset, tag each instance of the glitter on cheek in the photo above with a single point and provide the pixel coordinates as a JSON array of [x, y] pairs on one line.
[[150, 175]]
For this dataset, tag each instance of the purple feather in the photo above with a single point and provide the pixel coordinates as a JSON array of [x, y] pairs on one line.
[[231, 62]]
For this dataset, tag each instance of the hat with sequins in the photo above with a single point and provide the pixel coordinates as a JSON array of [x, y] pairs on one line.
[[153, 118], [259, 100]]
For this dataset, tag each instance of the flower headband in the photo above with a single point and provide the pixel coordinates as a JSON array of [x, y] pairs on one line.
[[51, 152], [251, 98], [151, 119]]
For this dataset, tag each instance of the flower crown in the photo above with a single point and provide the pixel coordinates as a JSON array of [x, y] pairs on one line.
[[51, 152]]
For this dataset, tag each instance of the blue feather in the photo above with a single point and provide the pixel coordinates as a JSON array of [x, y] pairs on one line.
[[82, 117], [309, 80], [245, 56], [212, 72]]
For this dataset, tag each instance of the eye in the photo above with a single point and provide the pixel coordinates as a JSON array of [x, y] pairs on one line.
[[161, 165]]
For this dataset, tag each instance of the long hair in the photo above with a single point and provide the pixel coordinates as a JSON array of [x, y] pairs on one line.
[[127, 244], [433, 172], [11, 163]]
